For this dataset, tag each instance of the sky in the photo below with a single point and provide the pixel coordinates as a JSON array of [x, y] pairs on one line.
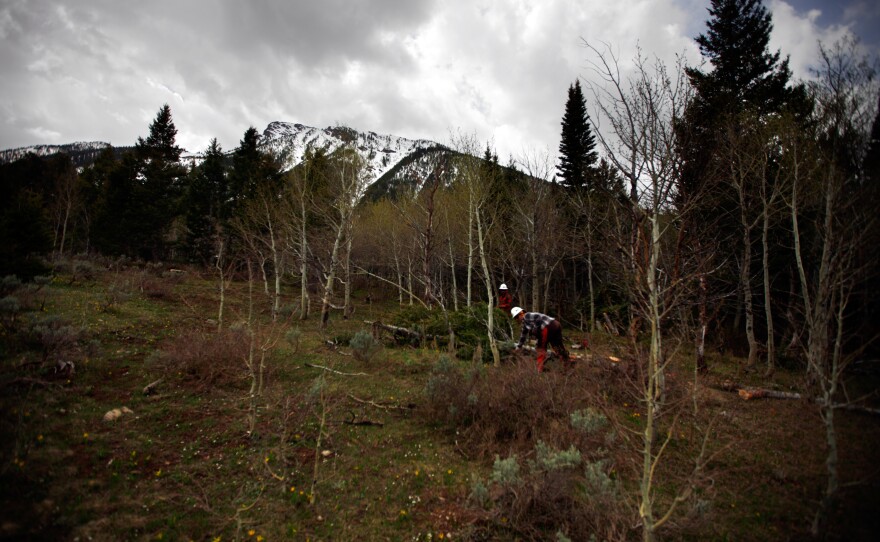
[[497, 70]]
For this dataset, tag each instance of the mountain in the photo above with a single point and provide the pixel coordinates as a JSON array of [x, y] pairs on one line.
[[82, 153], [391, 160]]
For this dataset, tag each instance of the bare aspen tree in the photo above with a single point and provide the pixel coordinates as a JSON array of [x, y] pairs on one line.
[[478, 190], [348, 182], [66, 201], [825, 183], [302, 187], [536, 216], [746, 161], [641, 113]]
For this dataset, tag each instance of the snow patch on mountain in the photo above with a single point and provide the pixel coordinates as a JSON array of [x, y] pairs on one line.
[[381, 152], [11, 155]]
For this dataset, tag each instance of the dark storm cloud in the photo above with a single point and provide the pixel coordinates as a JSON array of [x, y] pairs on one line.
[[498, 69]]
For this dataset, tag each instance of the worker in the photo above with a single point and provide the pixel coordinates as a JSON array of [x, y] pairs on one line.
[[546, 330], [505, 299]]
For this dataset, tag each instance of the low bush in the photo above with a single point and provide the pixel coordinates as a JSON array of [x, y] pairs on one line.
[[207, 360], [558, 495], [364, 346]]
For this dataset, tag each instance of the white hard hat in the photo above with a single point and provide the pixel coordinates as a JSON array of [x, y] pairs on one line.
[[502, 287], [514, 312]]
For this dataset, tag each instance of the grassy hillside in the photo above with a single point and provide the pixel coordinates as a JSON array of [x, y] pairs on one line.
[[398, 442]]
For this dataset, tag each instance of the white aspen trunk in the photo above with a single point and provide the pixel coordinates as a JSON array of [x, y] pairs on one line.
[[222, 286], [493, 345], [304, 300], [748, 306], [399, 279], [348, 308], [653, 388], [592, 295], [64, 227], [470, 242], [249, 362], [452, 272], [768, 309], [277, 264], [331, 278]]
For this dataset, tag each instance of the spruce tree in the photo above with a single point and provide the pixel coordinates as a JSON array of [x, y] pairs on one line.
[[160, 187], [577, 149], [253, 169], [206, 203], [745, 76], [747, 87]]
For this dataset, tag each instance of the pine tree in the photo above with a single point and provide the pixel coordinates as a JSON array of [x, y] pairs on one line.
[[160, 144], [577, 149], [161, 186], [206, 203], [745, 76], [747, 87], [252, 170]]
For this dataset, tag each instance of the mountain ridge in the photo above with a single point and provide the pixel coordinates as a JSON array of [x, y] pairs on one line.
[[390, 160]]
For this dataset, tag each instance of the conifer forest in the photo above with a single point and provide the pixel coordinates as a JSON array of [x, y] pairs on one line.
[[239, 347]]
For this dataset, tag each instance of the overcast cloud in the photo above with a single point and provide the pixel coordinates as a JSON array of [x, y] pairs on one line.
[[101, 69]]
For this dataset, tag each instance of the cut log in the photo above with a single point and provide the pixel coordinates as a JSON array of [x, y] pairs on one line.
[[748, 392], [150, 388], [761, 393], [397, 329], [334, 371]]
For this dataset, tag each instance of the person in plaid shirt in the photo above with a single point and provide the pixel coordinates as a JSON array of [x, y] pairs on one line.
[[546, 330]]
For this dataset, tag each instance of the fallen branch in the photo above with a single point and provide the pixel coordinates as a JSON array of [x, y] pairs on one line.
[[353, 421], [334, 370], [381, 406], [400, 330], [150, 388], [748, 393]]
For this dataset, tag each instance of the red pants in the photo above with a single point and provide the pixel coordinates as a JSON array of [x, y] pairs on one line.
[[552, 335]]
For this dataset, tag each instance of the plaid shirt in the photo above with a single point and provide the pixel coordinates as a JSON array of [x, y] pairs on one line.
[[532, 323]]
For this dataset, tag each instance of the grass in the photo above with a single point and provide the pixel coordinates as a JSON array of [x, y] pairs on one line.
[[184, 466]]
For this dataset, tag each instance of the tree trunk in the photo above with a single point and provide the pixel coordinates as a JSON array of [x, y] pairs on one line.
[[349, 308], [748, 306], [304, 300], [222, 284], [331, 277], [493, 345], [768, 308]]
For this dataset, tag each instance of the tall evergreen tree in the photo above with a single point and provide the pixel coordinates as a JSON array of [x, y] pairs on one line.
[[252, 170], [577, 149], [745, 76], [206, 203], [747, 86], [141, 197], [161, 185], [25, 225]]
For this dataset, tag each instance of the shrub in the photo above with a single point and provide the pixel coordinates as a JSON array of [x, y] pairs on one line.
[[588, 420], [550, 459], [505, 472], [553, 493], [9, 311], [207, 360], [364, 346], [56, 339], [155, 287], [479, 494], [9, 284], [599, 485], [449, 392]]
